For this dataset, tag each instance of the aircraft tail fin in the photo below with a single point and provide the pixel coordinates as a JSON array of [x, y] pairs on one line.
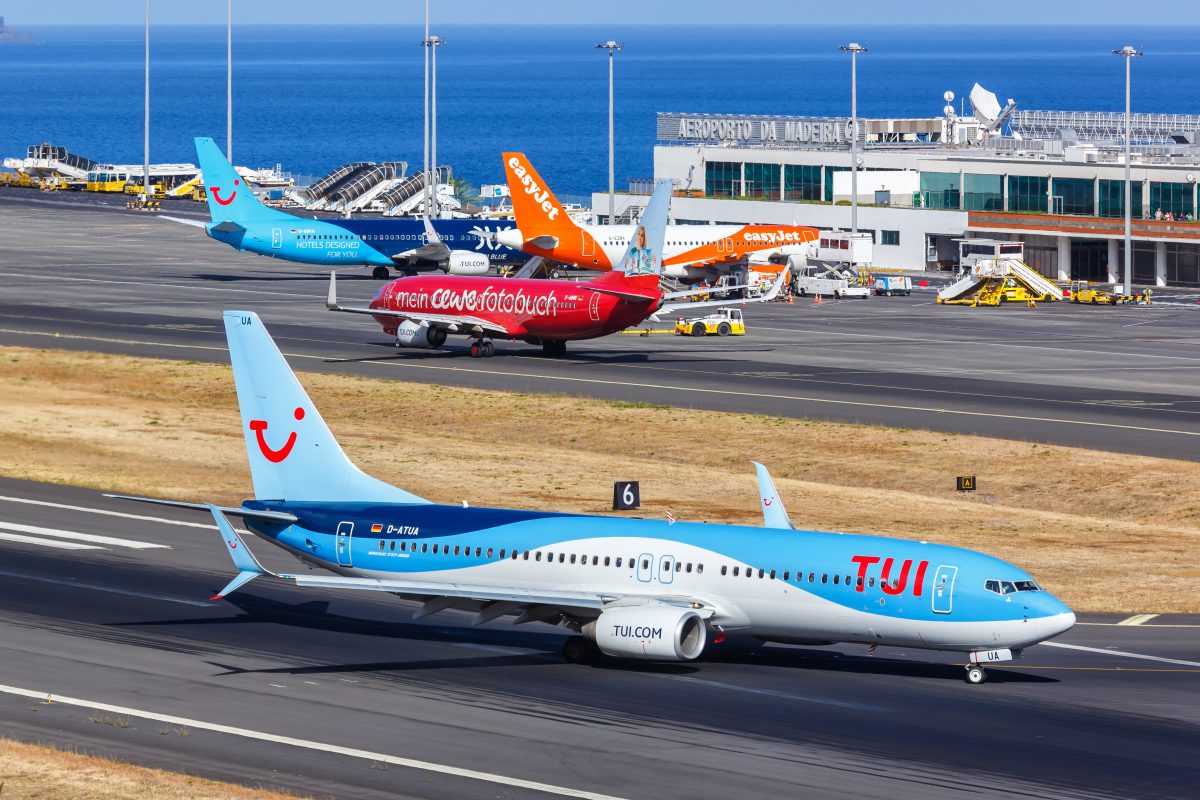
[[293, 454], [229, 198], [642, 265], [536, 210]]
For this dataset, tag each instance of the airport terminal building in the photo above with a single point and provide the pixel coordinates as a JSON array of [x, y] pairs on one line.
[[1053, 180]]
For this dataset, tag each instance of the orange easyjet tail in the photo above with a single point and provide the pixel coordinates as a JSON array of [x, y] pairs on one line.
[[537, 210]]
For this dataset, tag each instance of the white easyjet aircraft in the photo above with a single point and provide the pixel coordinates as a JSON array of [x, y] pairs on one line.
[[691, 252]]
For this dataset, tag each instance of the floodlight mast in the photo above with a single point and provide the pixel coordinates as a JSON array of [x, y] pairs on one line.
[[612, 47], [1128, 53], [854, 48]]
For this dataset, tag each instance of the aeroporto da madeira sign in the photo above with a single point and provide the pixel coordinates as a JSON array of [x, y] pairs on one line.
[[754, 130]]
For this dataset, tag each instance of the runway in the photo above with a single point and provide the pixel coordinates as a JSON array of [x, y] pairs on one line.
[[79, 276], [389, 707]]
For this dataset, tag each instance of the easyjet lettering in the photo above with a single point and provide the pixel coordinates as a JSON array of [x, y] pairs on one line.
[[540, 196]]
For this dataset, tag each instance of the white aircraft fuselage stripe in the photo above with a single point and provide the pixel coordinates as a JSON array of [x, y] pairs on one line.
[[60, 545], [323, 747], [80, 537], [766, 607]]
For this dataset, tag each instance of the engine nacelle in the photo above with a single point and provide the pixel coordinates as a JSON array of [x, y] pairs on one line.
[[419, 334], [650, 632], [464, 262]]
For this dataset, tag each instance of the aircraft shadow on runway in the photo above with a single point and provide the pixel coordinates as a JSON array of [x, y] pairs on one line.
[[574, 358], [315, 615]]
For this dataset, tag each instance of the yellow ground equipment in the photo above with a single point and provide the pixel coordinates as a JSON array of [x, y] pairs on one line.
[[726, 322], [1095, 295], [1001, 280]]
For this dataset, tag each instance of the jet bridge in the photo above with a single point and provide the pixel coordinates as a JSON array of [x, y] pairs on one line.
[[408, 197], [356, 191], [319, 188]]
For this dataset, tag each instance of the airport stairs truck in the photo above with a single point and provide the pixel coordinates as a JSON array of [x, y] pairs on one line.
[[994, 281]]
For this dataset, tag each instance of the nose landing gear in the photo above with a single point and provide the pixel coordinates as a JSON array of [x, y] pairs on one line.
[[975, 674]]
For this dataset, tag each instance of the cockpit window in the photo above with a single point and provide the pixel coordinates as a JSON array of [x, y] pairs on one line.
[[1010, 587]]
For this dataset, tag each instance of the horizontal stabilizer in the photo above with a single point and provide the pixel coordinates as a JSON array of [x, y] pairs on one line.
[[245, 513], [229, 226], [543, 242], [195, 223]]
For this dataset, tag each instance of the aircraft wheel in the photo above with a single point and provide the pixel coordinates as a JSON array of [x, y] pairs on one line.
[[380, 273], [699, 329], [975, 674], [489, 349], [580, 650], [476, 350], [723, 329]]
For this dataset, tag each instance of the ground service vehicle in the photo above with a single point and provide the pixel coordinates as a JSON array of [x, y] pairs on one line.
[[725, 322], [893, 284], [1096, 295], [825, 280]]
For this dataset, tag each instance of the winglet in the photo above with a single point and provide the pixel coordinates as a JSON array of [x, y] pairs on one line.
[[774, 515], [243, 559]]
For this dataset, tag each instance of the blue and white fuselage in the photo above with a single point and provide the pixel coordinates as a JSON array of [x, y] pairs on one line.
[[631, 588], [458, 246]]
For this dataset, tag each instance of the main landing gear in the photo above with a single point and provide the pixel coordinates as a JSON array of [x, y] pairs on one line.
[[380, 273], [975, 674], [482, 348], [554, 347], [580, 650]]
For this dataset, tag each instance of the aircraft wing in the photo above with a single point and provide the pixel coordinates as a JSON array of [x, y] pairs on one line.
[[671, 308], [434, 248], [452, 322]]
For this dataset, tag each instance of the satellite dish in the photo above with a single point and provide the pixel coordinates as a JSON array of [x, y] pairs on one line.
[[948, 97], [948, 110], [1191, 178], [986, 108]]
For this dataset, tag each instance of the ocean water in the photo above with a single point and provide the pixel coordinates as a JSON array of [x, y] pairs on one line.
[[312, 97]]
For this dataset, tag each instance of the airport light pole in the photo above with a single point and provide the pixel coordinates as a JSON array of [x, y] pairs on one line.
[[433, 43], [854, 48], [612, 47], [425, 97], [229, 80], [146, 120], [1128, 53]]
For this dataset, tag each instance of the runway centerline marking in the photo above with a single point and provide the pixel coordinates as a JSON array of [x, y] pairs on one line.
[[61, 545], [673, 388], [1122, 654], [56, 533], [104, 511], [291, 741], [94, 587]]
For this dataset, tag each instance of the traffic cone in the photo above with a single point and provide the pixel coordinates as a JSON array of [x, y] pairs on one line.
[[817, 299]]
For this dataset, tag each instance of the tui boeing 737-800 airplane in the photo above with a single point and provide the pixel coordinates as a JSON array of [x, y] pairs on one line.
[[626, 588], [453, 246]]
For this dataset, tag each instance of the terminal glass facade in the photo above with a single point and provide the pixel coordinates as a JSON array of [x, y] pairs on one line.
[[1183, 264], [940, 189], [801, 182], [722, 178], [1074, 196], [1112, 199], [762, 180], [1027, 193], [829, 181], [1175, 198], [983, 192]]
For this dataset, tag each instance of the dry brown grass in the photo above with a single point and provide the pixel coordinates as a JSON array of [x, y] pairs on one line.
[[30, 771], [1105, 532]]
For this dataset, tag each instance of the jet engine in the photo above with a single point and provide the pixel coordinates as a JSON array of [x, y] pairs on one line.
[[651, 632], [464, 262], [419, 334]]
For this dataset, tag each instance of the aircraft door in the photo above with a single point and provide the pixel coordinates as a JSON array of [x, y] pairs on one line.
[[587, 245], [594, 307], [943, 589], [345, 530], [666, 569], [645, 567], [276, 238]]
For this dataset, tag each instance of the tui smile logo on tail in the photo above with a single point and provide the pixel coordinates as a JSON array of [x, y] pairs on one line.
[[216, 193], [269, 453]]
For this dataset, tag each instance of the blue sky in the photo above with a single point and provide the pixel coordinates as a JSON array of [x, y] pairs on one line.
[[871, 12]]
